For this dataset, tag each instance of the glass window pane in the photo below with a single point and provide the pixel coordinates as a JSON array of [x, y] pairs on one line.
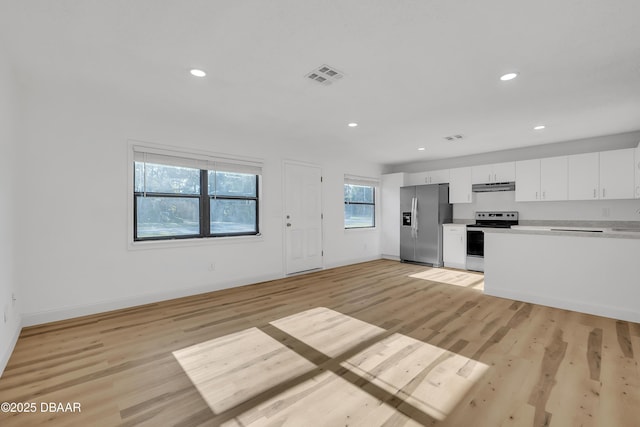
[[232, 184], [233, 216], [356, 216], [167, 216], [358, 193], [166, 179]]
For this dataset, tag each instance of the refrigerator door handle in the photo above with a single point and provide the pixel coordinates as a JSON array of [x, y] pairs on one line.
[[414, 217]]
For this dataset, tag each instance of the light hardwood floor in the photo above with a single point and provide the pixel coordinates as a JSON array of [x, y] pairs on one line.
[[378, 343]]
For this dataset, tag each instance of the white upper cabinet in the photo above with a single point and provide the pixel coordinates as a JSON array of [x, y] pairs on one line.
[[528, 180], [554, 178], [430, 177], [460, 185], [604, 175], [617, 174], [584, 176], [637, 169], [497, 172], [504, 172], [437, 177], [541, 179]]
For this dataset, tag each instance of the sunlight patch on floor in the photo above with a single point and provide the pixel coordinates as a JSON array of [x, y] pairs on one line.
[[466, 279], [229, 370], [369, 376], [326, 330]]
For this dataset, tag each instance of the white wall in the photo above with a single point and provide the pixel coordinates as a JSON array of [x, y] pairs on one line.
[[583, 210], [10, 328], [596, 210], [560, 148], [73, 247]]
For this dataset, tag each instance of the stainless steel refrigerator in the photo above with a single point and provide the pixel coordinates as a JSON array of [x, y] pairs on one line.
[[423, 210]]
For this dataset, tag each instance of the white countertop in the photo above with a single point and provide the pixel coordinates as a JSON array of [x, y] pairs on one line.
[[563, 230]]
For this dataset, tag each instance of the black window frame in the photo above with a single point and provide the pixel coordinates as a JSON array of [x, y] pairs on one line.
[[204, 210], [373, 203]]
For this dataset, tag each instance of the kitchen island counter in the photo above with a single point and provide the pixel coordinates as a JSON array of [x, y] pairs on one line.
[[590, 272]]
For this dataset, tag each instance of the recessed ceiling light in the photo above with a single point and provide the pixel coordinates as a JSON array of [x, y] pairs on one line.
[[421, 149], [352, 125], [197, 73], [539, 127], [508, 76]]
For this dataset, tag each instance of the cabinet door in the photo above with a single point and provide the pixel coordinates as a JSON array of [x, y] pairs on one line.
[[528, 180], [553, 178], [504, 172], [637, 168], [584, 176], [460, 185], [438, 177], [454, 245], [617, 174], [481, 174]]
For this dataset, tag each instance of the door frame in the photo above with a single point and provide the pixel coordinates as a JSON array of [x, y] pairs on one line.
[[283, 226]]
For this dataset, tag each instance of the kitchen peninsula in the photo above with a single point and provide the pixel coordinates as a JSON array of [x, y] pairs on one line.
[[594, 271]]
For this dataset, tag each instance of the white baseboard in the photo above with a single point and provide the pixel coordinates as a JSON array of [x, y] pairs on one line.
[[6, 354], [582, 307], [63, 313], [391, 257], [352, 261]]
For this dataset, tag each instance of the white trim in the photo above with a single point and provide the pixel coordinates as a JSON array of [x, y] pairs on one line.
[[286, 162], [69, 312], [200, 154], [353, 261], [4, 358], [579, 306], [361, 180]]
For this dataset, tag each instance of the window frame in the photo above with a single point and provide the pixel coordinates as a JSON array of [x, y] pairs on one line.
[[363, 182], [204, 198]]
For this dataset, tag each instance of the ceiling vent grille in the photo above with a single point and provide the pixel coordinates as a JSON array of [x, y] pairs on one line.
[[325, 75], [453, 137]]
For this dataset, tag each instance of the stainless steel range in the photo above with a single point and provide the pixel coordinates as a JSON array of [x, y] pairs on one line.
[[475, 235]]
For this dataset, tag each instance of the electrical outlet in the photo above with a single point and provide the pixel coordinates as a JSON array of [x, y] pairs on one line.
[[212, 266]]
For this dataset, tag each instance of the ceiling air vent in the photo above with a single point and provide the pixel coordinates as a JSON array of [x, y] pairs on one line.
[[325, 75], [453, 137]]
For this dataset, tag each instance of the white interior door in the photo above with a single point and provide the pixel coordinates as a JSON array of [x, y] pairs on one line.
[[303, 217]]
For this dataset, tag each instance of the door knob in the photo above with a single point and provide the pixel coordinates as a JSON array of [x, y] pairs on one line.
[[288, 224]]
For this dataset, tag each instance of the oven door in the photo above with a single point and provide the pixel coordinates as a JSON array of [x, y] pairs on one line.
[[475, 242]]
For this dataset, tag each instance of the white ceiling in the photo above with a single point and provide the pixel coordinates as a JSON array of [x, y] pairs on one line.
[[415, 70]]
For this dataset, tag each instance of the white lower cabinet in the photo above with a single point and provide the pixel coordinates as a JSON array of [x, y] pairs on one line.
[[454, 245]]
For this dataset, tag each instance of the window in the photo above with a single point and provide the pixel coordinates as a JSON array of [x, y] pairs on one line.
[[359, 202], [176, 196]]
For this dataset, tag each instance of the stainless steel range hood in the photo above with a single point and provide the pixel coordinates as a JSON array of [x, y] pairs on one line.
[[493, 186]]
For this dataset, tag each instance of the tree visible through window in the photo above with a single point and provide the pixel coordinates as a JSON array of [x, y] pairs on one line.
[[359, 206], [174, 201]]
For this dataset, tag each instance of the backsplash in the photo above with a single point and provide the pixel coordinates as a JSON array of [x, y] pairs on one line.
[[582, 210]]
